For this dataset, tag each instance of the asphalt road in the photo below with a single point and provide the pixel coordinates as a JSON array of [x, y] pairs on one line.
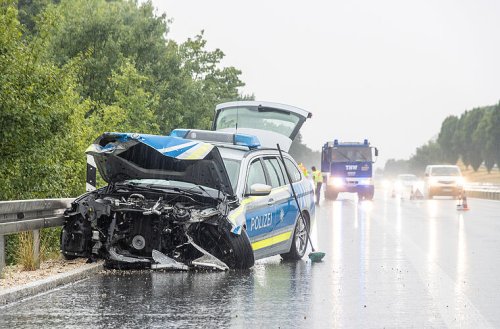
[[389, 263]]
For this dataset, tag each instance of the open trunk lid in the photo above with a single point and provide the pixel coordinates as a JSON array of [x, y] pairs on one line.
[[272, 123]]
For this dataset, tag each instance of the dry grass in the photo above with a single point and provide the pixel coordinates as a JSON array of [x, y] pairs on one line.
[[480, 176], [25, 255]]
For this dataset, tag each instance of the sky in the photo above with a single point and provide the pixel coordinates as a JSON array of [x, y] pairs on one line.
[[387, 70]]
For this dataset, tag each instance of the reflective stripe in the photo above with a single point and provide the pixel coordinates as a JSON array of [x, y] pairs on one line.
[[176, 147], [272, 240], [238, 211], [196, 152]]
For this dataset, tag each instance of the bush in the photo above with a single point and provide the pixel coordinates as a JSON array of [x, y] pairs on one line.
[[19, 247]]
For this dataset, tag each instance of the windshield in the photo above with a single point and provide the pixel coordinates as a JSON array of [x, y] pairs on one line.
[[347, 154], [445, 171], [233, 170], [281, 122]]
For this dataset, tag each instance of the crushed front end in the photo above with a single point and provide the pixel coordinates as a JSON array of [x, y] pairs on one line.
[[154, 213]]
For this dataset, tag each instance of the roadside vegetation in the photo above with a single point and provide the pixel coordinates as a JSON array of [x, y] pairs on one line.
[[471, 140], [73, 69]]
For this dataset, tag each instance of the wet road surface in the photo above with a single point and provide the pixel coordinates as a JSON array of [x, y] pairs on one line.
[[389, 263]]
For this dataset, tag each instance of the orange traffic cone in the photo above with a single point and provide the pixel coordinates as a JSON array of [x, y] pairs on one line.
[[462, 202], [465, 206]]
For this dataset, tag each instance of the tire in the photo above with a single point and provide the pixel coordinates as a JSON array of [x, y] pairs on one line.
[[331, 194], [369, 194], [234, 250], [68, 257], [299, 241]]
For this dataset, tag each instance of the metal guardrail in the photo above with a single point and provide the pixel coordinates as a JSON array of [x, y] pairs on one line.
[[483, 191], [483, 194], [33, 215], [30, 215]]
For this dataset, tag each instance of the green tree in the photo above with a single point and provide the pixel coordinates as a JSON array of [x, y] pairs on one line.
[[427, 154], [470, 151], [481, 139], [447, 139], [107, 32], [37, 103], [28, 10], [133, 108], [492, 145], [304, 154], [395, 167]]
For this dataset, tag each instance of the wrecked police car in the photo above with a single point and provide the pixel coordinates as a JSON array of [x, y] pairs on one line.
[[194, 199]]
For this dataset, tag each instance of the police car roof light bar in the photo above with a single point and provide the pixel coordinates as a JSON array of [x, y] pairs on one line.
[[249, 141]]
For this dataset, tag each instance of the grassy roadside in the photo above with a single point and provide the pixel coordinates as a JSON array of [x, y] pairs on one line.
[[481, 176]]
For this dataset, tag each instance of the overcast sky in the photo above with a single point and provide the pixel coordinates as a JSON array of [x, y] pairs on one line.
[[386, 70]]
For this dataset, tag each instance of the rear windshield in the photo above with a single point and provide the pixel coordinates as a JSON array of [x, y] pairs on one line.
[[445, 171], [275, 120]]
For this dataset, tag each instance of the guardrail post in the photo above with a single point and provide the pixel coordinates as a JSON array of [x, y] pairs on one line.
[[2, 253], [36, 248]]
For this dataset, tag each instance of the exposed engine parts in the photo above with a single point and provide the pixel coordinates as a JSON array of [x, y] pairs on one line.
[[149, 229]]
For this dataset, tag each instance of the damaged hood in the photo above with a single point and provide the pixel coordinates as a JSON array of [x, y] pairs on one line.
[[124, 156]]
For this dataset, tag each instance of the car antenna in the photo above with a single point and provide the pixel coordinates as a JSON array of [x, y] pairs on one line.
[[236, 124]]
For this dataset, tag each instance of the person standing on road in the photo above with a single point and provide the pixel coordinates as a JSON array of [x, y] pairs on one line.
[[318, 181], [303, 169]]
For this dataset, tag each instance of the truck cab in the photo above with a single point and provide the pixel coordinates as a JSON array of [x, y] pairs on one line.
[[347, 167]]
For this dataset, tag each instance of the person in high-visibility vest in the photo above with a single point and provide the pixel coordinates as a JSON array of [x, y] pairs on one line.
[[318, 181], [303, 169]]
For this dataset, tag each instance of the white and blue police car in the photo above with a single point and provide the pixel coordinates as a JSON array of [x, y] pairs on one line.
[[215, 199]]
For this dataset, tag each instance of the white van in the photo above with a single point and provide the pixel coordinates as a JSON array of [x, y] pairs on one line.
[[444, 180]]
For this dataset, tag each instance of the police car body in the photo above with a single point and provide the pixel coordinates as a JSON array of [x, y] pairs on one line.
[[178, 202], [267, 210]]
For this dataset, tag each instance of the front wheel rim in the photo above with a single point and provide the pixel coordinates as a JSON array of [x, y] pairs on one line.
[[301, 237]]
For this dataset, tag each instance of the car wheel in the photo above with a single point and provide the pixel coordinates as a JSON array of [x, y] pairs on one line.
[[68, 257], [369, 195], [331, 194], [299, 241], [234, 250]]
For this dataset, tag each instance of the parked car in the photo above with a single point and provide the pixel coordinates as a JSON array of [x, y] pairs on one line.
[[211, 199], [443, 180]]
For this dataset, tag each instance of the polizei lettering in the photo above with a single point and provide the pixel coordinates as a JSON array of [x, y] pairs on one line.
[[258, 222], [351, 167]]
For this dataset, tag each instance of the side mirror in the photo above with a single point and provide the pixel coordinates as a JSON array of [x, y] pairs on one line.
[[376, 152], [259, 189]]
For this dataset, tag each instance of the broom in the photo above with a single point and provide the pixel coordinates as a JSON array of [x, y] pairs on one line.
[[314, 256]]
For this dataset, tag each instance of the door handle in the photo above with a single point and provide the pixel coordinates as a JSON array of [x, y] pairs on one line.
[[270, 202]]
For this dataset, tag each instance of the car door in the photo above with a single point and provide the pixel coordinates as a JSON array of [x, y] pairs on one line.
[[281, 194], [260, 210]]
